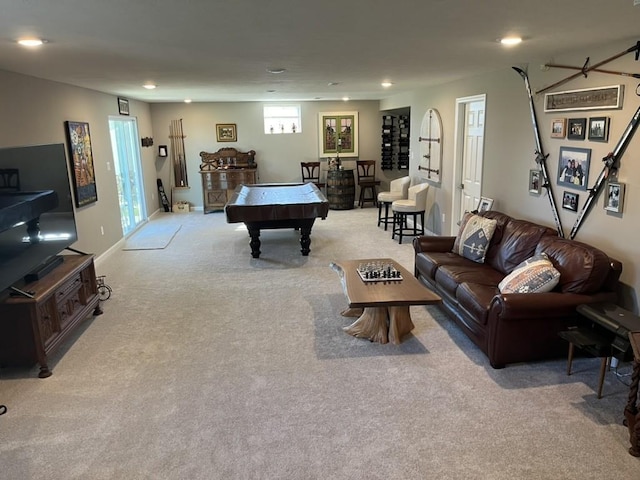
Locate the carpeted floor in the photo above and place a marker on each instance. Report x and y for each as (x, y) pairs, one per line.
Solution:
(209, 364)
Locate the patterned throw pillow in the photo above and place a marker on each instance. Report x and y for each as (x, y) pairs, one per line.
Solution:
(534, 275)
(474, 237)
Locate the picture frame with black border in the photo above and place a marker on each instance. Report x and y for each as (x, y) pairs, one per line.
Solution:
(599, 129)
(484, 204)
(81, 159)
(123, 106)
(576, 128)
(614, 198)
(558, 127)
(573, 167)
(570, 201)
(535, 183)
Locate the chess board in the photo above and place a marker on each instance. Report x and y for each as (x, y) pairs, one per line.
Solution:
(378, 272)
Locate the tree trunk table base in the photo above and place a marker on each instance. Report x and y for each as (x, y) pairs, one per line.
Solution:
(382, 306)
(380, 324)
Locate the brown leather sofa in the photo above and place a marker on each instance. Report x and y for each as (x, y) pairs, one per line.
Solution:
(515, 327)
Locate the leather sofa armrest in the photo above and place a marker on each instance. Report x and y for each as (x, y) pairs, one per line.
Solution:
(514, 306)
(429, 243)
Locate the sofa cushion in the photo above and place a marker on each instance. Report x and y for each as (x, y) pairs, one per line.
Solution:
(475, 299)
(449, 277)
(534, 275)
(474, 237)
(583, 268)
(427, 263)
(517, 242)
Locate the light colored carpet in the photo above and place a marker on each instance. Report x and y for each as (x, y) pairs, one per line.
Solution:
(155, 235)
(209, 364)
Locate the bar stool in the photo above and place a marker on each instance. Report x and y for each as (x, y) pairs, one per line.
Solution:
(366, 171)
(398, 190)
(414, 206)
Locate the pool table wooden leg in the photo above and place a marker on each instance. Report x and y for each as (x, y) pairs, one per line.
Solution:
(305, 240)
(254, 233)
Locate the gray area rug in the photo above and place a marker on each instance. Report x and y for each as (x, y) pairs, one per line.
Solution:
(155, 235)
(209, 364)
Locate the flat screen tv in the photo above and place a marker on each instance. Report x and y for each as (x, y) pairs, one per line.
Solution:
(37, 219)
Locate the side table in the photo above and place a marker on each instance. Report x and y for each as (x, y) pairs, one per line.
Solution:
(632, 419)
(594, 343)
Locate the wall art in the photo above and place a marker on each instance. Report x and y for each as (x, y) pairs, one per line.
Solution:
(570, 201)
(558, 127)
(614, 197)
(599, 129)
(81, 158)
(600, 98)
(573, 167)
(338, 134)
(226, 132)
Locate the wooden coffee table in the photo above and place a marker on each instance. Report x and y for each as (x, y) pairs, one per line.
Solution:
(382, 307)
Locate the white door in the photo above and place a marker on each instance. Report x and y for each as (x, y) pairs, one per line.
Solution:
(470, 124)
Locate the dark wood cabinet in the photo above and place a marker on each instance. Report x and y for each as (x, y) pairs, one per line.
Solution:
(219, 185)
(222, 172)
(32, 328)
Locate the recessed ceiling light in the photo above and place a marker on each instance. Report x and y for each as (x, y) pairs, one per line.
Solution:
(276, 70)
(270, 91)
(149, 86)
(31, 42)
(386, 84)
(333, 84)
(345, 99)
(187, 100)
(510, 41)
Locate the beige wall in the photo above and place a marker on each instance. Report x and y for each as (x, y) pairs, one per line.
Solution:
(278, 156)
(35, 111)
(510, 146)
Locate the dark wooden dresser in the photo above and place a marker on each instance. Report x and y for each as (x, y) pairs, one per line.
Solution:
(32, 328)
(222, 172)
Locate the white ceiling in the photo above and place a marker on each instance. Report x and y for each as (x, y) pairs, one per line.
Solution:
(211, 50)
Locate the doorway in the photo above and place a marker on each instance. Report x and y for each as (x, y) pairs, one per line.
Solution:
(469, 156)
(128, 169)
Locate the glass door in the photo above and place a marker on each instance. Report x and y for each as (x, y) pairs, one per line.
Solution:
(128, 168)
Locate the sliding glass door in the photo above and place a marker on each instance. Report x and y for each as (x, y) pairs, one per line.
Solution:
(128, 168)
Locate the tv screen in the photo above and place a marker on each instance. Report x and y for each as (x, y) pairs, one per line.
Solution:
(37, 218)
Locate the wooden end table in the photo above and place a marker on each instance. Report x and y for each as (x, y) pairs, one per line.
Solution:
(631, 412)
(382, 307)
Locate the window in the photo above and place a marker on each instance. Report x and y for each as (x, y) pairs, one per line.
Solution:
(282, 119)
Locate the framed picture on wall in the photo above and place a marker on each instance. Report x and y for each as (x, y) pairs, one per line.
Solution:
(599, 129)
(226, 132)
(576, 128)
(535, 181)
(614, 197)
(338, 134)
(123, 106)
(573, 167)
(570, 201)
(81, 158)
(558, 127)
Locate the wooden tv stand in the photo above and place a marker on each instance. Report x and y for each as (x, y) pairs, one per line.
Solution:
(32, 328)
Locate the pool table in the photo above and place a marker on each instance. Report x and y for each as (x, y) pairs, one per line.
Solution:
(277, 205)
